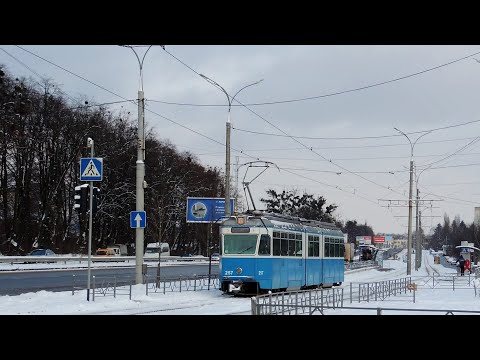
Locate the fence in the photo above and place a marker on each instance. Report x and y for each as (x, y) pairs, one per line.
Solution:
(117, 285)
(311, 301)
(84, 258)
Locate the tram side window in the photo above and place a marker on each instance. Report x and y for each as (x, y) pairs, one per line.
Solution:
(284, 244)
(310, 246)
(291, 244)
(339, 248)
(276, 244)
(264, 248)
(327, 247)
(313, 246)
(298, 246)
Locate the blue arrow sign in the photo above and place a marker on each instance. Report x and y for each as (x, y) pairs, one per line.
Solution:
(138, 219)
(91, 169)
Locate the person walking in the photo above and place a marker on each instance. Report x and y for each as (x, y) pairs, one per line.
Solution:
(461, 265)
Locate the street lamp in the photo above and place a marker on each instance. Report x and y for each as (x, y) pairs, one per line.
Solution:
(409, 242)
(227, 142)
(140, 171)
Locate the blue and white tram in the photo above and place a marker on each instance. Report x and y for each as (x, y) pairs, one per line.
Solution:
(275, 252)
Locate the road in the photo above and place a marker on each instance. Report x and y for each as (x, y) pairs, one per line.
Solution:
(19, 282)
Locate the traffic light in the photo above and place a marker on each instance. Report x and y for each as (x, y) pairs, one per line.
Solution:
(81, 198)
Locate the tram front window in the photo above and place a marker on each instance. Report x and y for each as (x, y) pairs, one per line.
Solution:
(239, 244)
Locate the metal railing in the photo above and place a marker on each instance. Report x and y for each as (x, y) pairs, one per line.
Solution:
(84, 258)
(382, 310)
(310, 301)
(360, 264)
(297, 302)
(193, 283)
(448, 282)
(118, 285)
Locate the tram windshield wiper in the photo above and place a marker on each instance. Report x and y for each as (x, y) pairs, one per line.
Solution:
(241, 252)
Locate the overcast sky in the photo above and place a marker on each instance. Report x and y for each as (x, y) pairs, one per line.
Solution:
(443, 97)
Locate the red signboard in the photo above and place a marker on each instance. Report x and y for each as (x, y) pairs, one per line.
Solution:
(379, 239)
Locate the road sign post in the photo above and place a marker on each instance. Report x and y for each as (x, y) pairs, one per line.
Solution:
(91, 169)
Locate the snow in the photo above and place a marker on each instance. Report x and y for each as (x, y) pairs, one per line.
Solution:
(212, 302)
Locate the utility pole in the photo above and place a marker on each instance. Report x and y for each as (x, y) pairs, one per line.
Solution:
(236, 184)
(139, 201)
(140, 171)
(227, 142)
(420, 238)
(90, 145)
(409, 241)
(416, 232)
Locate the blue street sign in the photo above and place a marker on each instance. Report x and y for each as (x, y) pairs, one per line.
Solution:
(91, 169)
(205, 210)
(138, 219)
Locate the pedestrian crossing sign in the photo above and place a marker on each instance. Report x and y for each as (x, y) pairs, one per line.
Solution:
(91, 169)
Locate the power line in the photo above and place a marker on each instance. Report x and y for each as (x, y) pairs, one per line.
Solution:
(293, 138)
(354, 137)
(61, 91)
(76, 75)
(319, 96)
(218, 153)
(348, 147)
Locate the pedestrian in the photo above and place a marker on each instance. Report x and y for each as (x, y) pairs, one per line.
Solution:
(461, 265)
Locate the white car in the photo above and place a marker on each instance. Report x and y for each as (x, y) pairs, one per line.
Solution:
(215, 257)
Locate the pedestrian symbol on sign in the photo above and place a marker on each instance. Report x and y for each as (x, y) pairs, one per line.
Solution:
(91, 170)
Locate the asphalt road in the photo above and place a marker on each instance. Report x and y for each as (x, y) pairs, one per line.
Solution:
(19, 282)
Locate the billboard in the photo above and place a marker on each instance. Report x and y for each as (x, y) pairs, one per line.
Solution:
(205, 210)
(363, 240)
(379, 238)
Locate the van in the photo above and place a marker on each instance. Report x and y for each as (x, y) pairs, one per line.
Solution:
(120, 249)
(153, 249)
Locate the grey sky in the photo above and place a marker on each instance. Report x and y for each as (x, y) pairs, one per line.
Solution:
(439, 98)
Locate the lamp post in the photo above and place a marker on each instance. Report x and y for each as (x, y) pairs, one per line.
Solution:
(227, 142)
(140, 171)
(409, 241)
(418, 247)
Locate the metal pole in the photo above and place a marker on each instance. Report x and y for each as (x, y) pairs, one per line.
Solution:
(409, 243)
(227, 167)
(140, 175)
(90, 143)
(236, 185)
(417, 238)
(209, 255)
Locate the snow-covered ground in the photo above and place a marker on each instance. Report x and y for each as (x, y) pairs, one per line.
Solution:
(212, 302)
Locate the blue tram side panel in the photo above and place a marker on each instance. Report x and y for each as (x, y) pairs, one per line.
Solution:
(271, 252)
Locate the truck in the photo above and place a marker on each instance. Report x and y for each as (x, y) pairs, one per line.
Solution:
(119, 249)
(153, 249)
(349, 252)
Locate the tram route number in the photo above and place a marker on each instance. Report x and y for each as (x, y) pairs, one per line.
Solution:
(230, 272)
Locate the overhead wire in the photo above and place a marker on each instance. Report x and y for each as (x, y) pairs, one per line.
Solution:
(324, 95)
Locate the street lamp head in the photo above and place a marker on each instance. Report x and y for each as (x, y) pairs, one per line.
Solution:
(89, 142)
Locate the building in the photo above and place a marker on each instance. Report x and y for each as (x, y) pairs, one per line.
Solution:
(476, 217)
(399, 243)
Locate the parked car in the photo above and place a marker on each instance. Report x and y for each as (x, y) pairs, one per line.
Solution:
(42, 252)
(215, 257)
